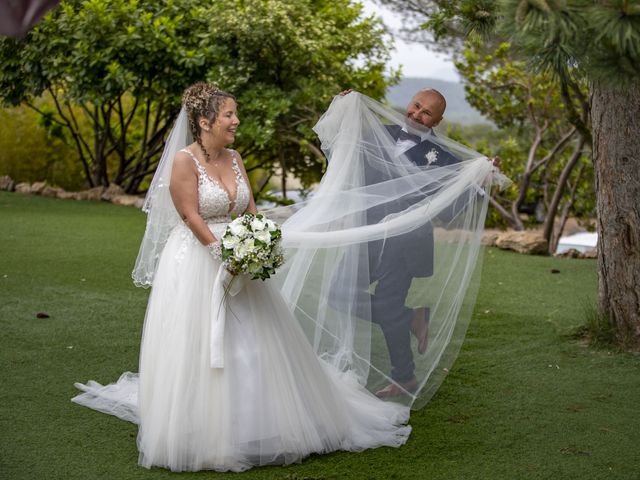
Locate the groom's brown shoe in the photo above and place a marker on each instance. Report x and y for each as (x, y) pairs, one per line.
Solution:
(420, 327)
(396, 389)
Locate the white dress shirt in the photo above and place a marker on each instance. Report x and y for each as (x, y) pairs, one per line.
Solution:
(405, 144)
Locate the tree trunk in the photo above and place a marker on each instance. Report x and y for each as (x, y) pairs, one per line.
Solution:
(616, 153)
(552, 211)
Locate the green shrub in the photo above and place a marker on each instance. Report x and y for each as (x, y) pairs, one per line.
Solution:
(29, 152)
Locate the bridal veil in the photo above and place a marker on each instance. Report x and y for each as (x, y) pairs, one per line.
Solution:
(375, 210)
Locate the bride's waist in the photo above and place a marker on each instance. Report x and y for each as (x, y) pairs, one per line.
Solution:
(219, 219)
(217, 225)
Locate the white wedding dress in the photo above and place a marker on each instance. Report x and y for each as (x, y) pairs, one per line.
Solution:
(274, 400)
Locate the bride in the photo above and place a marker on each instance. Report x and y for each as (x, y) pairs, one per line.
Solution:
(227, 380)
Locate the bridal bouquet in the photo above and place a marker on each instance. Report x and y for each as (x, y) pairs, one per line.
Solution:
(251, 244)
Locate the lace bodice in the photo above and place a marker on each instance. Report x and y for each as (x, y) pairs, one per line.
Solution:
(214, 203)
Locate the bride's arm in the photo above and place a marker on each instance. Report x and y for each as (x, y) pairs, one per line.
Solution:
(252, 203)
(184, 193)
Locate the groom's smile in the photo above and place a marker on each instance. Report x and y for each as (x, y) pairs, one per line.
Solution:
(426, 108)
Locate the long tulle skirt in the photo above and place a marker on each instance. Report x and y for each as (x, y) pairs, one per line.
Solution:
(274, 402)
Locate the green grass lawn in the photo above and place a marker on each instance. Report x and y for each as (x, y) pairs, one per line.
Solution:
(524, 400)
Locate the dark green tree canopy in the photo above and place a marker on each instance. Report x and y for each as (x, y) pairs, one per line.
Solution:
(115, 72)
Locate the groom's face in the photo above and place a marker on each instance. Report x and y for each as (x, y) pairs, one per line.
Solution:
(426, 108)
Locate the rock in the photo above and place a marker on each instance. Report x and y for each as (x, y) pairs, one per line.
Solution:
(23, 187)
(570, 253)
(571, 226)
(7, 184)
(529, 242)
(94, 194)
(489, 238)
(67, 195)
(574, 253)
(128, 200)
(51, 191)
(38, 187)
(112, 190)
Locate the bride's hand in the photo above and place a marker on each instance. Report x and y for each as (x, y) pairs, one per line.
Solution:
(215, 249)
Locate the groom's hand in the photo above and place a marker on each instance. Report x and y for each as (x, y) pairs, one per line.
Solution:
(496, 161)
(345, 92)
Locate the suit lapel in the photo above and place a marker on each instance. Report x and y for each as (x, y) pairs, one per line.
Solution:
(394, 131)
(417, 154)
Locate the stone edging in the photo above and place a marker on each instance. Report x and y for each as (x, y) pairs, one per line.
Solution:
(113, 193)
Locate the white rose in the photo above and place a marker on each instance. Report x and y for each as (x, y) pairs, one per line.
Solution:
(271, 225)
(263, 236)
(249, 245)
(257, 224)
(238, 229)
(241, 251)
(230, 242)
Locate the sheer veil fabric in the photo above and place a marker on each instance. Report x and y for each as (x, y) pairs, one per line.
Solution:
(381, 217)
(162, 216)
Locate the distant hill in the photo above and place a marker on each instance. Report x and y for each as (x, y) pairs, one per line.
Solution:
(458, 110)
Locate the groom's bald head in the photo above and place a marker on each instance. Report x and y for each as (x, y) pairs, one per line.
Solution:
(427, 107)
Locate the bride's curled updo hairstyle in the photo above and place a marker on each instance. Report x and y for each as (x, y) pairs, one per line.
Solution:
(203, 100)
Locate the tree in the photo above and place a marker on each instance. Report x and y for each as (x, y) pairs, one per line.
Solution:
(551, 162)
(600, 40)
(115, 72)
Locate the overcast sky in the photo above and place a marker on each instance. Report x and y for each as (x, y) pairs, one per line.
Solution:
(415, 59)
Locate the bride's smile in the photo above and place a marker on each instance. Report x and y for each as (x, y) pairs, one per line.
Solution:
(227, 122)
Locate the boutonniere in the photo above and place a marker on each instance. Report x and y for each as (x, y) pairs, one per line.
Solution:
(431, 156)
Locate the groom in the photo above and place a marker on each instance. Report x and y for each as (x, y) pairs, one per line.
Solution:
(394, 264)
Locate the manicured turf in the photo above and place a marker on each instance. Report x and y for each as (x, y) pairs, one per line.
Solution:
(524, 400)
